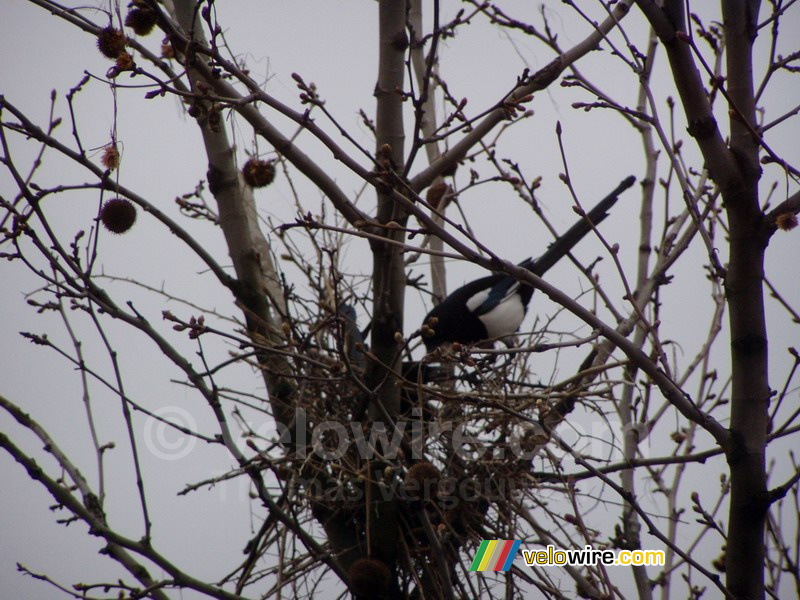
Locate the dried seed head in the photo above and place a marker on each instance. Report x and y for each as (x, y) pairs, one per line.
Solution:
(111, 42)
(110, 157)
(118, 215)
(786, 221)
(436, 192)
(423, 471)
(140, 18)
(125, 61)
(258, 173)
(421, 480)
(369, 577)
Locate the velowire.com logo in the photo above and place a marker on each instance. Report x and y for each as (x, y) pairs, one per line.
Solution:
(495, 555)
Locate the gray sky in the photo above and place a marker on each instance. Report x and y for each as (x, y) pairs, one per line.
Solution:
(332, 44)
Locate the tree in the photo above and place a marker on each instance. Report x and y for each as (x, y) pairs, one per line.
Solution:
(370, 466)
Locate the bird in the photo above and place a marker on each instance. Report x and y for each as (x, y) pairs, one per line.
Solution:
(353, 342)
(494, 306)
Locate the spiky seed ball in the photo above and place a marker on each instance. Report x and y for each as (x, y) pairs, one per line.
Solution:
(421, 478)
(110, 157)
(111, 42)
(369, 577)
(141, 19)
(118, 215)
(258, 173)
(423, 471)
(786, 221)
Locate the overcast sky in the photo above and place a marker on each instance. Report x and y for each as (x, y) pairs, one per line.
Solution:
(334, 45)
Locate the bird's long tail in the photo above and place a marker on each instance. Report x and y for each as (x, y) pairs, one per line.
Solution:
(559, 248)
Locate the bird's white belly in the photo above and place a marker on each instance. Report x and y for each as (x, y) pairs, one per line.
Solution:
(505, 318)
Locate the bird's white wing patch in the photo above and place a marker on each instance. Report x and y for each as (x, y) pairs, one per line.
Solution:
(505, 318)
(475, 301)
(478, 299)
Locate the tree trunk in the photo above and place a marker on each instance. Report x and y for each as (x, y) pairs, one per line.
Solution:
(744, 292)
(388, 273)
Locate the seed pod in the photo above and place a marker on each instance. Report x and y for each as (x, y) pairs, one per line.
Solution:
(110, 157)
(786, 221)
(118, 215)
(141, 19)
(258, 173)
(369, 578)
(111, 42)
(421, 481)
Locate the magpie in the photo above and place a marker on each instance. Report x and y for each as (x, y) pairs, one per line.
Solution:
(353, 341)
(494, 306)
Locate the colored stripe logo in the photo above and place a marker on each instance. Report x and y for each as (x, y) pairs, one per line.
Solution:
(495, 555)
